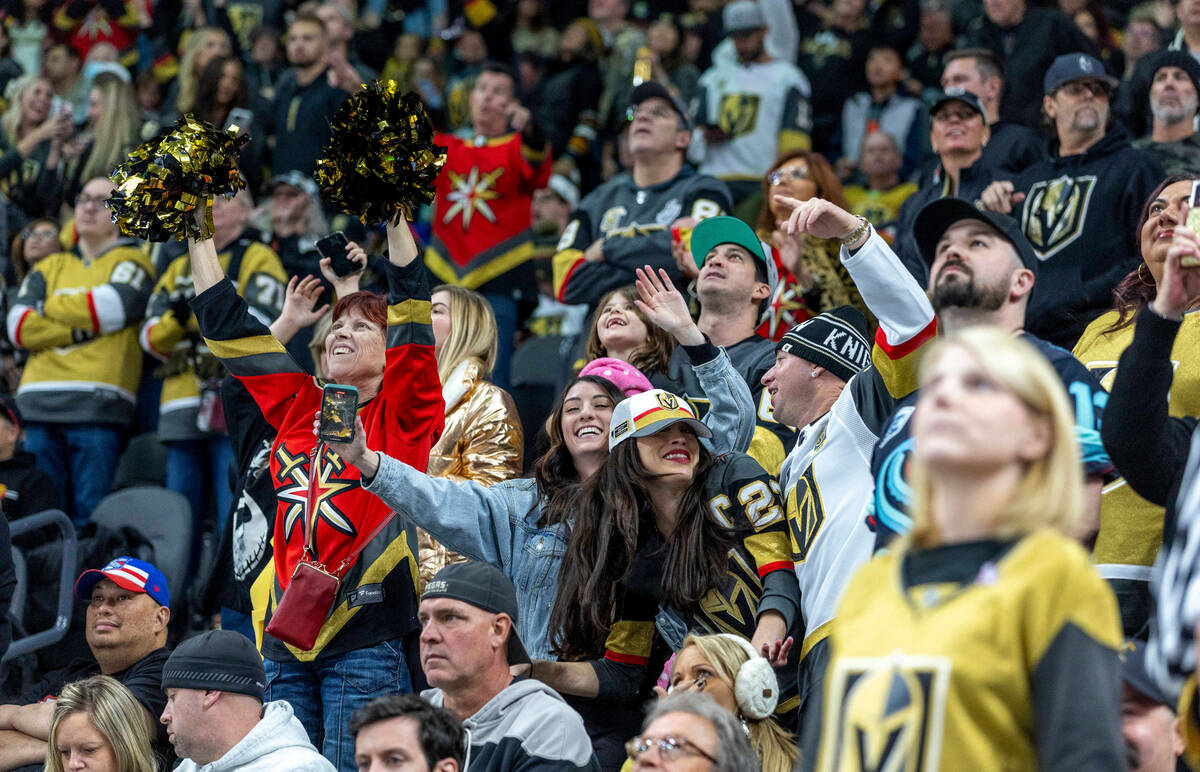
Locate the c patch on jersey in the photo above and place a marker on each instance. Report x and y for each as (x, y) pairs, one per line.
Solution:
(886, 714)
(738, 114)
(1055, 211)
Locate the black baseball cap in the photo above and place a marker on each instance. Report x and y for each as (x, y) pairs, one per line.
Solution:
(1134, 673)
(957, 95)
(483, 586)
(937, 217)
(652, 89)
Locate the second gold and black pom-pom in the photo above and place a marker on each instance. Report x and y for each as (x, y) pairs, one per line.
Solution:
(380, 162)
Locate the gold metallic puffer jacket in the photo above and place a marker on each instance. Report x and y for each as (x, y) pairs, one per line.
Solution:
(482, 441)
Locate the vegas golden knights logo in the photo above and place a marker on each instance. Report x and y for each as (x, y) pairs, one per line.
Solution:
(806, 515)
(1055, 211)
(738, 114)
(886, 714)
(730, 607)
(668, 401)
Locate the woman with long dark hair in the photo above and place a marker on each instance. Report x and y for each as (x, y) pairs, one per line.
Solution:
(1132, 516)
(666, 538)
(222, 88)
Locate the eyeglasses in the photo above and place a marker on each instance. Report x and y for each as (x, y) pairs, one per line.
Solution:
(669, 748)
(1077, 87)
(788, 174)
(40, 233)
(83, 200)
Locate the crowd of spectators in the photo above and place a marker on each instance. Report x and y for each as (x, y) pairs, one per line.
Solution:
(768, 385)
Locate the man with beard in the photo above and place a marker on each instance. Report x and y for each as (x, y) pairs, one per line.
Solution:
(982, 271)
(1174, 84)
(305, 98)
(831, 381)
(1079, 207)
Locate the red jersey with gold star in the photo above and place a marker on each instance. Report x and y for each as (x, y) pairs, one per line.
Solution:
(404, 420)
(481, 223)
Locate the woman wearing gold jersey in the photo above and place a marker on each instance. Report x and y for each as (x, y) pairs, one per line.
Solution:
(1147, 363)
(986, 640)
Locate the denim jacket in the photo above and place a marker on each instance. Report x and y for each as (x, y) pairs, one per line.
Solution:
(498, 524)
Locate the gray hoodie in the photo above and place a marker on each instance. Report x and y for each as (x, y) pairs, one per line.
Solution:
(527, 726)
(276, 742)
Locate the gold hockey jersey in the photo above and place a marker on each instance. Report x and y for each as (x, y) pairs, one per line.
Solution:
(1013, 667)
(79, 320)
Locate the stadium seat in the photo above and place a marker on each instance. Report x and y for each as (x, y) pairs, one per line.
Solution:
(144, 462)
(164, 518)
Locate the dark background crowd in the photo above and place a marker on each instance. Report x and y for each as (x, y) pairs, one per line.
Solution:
(587, 144)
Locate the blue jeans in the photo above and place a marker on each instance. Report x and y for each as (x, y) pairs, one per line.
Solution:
(324, 694)
(505, 309)
(199, 471)
(80, 460)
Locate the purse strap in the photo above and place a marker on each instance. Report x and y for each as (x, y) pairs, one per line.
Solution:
(309, 525)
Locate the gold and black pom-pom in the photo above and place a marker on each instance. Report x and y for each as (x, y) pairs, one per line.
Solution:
(380, 162)
(165, 180)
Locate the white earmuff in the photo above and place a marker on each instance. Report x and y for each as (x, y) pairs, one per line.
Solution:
(755, 688)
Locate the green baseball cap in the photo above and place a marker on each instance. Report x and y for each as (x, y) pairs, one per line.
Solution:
(714, 231)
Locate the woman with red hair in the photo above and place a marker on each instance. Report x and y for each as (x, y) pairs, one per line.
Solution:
(324, 518)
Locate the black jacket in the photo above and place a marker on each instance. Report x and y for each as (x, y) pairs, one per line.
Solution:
(1026, 52)
(1013, 148)
(1145, 442)
(27, 489)
(1080, 215)
(971, 182)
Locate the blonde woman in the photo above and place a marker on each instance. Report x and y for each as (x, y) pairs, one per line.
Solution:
(114, 124)
(482, 439)
(99, 726)
(31, 140)
(987, 634)
(728, 669)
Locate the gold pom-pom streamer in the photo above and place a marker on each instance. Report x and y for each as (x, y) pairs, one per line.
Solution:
(380, 162)
(166, 180)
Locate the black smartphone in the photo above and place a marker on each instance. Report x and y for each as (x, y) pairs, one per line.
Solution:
(339, 406)
(333, 246)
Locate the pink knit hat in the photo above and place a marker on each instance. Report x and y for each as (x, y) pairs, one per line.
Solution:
(623, 375)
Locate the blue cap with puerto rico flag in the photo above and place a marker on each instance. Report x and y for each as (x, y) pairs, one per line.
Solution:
(128, 573)
(649, 413)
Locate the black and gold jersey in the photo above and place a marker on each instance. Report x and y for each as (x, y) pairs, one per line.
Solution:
(993, 655)
(758, 575)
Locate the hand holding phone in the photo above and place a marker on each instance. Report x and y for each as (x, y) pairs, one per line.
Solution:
(339, 408)
(1193, 223)
(333, 247)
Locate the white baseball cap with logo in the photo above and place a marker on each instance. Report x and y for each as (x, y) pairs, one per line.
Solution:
(649, 413)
